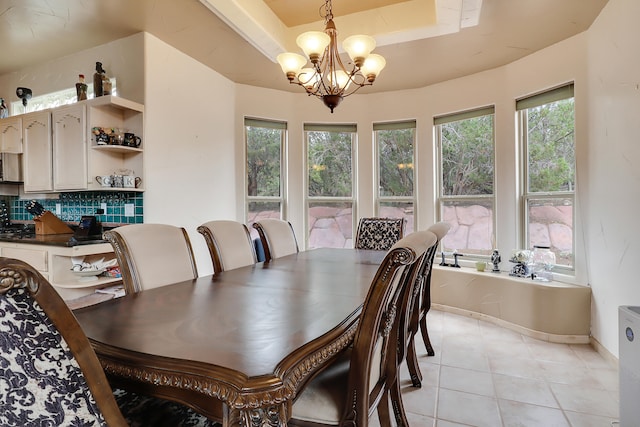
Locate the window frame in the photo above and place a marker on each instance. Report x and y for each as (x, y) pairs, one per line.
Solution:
(281, 199)
(559, 93)
(395, 125)
(337, 128)
(441, 198)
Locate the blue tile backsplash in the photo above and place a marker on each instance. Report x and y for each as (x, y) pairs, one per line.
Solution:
(74, 205)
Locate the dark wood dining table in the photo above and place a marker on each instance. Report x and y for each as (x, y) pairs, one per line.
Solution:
(240, 345)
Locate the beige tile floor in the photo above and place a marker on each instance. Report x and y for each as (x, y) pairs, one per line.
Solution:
(487, 376)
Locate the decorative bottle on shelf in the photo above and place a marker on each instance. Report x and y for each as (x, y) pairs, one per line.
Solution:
(106, 84)
(97, 80)
(81, 88)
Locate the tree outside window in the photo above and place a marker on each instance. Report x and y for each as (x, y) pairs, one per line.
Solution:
(466, 180)
(395, 151)
(264, 148)
(330, 184)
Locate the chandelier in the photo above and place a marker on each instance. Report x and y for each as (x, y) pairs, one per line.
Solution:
(328, 78)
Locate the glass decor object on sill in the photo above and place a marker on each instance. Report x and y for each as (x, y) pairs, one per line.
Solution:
(542, 262)
(521, 260)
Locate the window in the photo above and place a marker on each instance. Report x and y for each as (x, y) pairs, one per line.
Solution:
(547, 135)
(395, 147)
(265, 147)
(55, 99)
(466, 176)
(330, 185)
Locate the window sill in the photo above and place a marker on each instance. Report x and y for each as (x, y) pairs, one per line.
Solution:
(551, 311)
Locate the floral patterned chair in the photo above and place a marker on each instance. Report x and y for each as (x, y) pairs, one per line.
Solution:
(379, 234)
(49, 373)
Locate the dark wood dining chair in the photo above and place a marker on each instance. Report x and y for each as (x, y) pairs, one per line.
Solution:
(422, 305)
(51, 375)
(379, 233)
(229, 243)
(152, 255)
(277, 237)
(360, 380)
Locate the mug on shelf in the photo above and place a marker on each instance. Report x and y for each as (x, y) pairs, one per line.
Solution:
(116, 139)
(118, 181)
(102, 139)
(131, 140)
(131, 181)
(105, 180)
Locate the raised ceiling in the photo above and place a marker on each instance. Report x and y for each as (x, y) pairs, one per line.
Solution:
(424, 41)
(294, 13)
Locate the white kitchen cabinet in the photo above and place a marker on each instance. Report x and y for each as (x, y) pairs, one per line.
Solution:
(60, 153)
(70, 134)
(37, 158)
(11, 135)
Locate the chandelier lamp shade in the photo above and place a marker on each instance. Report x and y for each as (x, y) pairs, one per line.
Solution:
(328, 78)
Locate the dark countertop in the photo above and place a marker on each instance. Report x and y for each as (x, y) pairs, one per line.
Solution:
(66, 240)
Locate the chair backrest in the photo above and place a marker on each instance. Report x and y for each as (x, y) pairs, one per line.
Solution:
(277, 237)
(51, 375)
(422, 302)
(373, 366)
(152, 255)
(440, 229)
(379, 233)
(416, 276)
(229, 243)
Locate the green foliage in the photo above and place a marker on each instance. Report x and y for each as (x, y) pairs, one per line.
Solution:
(263, 161)
(395, 153)
(330, 164)
(467, 156)
(551, 147)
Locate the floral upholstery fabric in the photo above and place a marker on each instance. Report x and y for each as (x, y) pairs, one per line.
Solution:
(41, 383)
(379, 234)
(143, 411)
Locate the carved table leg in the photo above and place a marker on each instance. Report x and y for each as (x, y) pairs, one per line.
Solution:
(269, 416)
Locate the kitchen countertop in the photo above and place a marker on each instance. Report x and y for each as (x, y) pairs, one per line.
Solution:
(65, 240)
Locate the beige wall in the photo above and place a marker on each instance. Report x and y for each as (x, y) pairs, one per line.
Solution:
(189, 151)
(612, 166)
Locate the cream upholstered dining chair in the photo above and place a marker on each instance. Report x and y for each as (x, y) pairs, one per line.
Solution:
(50, 373)
(152, 255)
(422, 305)
(229, 243)
(277, 237)
(379, 233)
(364, 378)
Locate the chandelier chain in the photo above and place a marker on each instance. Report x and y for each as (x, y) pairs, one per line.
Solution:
(328, 11)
